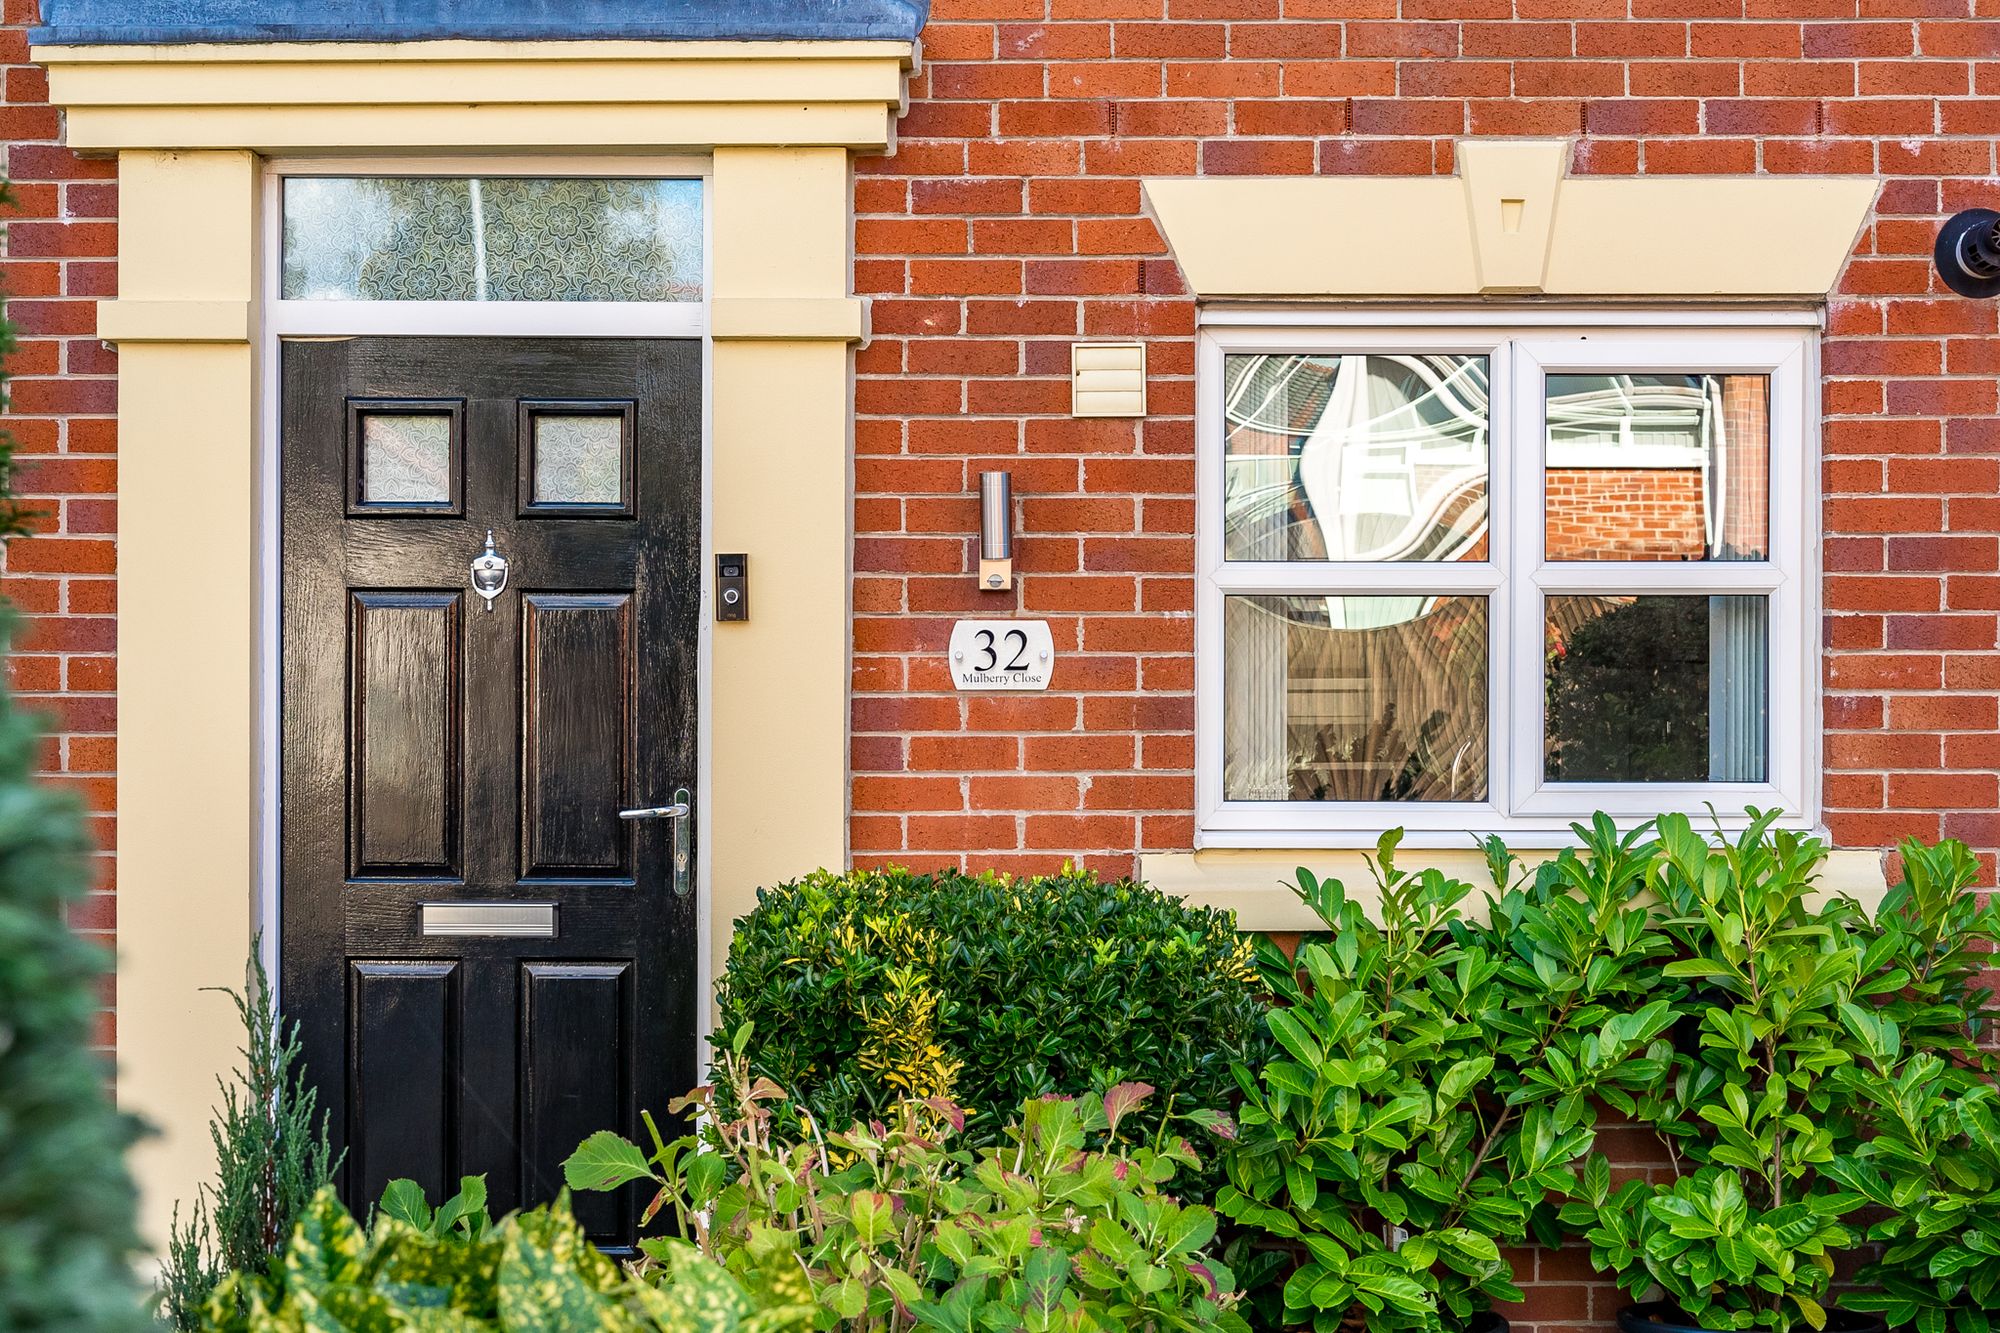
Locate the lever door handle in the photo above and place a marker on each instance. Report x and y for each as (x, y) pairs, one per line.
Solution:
(674, 811)
(682, 807)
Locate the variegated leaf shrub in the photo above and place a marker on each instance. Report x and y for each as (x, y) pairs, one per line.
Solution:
(1067, 1224)
(455, 1271)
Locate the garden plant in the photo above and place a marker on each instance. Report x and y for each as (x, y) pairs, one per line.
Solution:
(871, 987)
(1067, 1223)
(1437, 1076)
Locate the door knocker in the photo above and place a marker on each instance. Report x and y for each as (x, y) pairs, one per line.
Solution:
(489, 572)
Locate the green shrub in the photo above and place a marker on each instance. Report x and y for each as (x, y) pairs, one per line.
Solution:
(1439, 1077)
(868, 987)
(1066, 1225)
(66, 1203)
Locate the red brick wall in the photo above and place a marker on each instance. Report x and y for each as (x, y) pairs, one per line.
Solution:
(1008, 224)
(1639, 513)
(60, 235)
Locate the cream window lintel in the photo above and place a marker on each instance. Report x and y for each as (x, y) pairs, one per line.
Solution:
(1513, 221)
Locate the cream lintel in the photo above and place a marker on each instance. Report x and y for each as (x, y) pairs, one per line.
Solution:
(1511, 222)
(428, 96)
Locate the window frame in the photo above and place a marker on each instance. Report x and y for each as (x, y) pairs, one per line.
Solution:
(1521, 347)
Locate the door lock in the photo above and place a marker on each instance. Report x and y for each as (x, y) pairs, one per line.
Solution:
(680, 812)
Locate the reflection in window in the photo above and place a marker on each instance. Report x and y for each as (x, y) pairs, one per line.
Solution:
(1355, 698)
(1658, 467)
(1355, 457)
(412, 238)
(1656, 689)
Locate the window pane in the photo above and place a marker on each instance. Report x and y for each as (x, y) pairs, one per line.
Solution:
(406, 458)
(1657, 689)
(1355, 457)
(404, 238)
(579, 459)
(1354, 698)
(1658, 467)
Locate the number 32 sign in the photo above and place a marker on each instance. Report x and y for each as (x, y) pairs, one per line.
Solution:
(1001, 655)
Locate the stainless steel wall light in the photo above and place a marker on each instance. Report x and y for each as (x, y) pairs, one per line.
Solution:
(996, 531)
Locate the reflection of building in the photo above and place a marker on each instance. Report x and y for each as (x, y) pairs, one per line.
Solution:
(1655, 467)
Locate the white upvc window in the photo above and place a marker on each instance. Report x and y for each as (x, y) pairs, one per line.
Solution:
(1465, 575)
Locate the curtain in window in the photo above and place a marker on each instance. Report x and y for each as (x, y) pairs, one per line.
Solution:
(1739, 627)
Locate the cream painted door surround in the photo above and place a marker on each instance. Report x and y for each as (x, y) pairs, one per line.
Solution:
(191, 126)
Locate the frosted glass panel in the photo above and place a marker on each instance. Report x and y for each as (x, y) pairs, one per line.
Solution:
(1373, 458)
(405, 458)
(579, 460)
(413, 238)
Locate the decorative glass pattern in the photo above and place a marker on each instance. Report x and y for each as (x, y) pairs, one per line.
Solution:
(1366, 457)
(1354, 698)
(579, 460)
(405, 458)
(430, 238)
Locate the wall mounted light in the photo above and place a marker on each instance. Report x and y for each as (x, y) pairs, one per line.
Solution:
(1968, 253)
(996, 531)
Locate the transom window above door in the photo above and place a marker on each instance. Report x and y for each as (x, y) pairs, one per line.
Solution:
(491, 238)
(1487, 579)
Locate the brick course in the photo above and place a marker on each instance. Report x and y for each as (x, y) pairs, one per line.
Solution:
(61, 233)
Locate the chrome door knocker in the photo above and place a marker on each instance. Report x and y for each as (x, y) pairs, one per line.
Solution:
(489, 572)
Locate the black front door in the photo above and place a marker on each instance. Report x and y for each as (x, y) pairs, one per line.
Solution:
(487, 962)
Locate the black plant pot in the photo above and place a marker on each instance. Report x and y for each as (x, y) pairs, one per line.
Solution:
(1488, 1321)
(1662, 1317)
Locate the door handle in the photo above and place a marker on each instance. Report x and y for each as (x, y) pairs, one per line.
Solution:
(680, 812)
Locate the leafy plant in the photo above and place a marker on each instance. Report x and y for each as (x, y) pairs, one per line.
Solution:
(272, 1158)
(875, 986)
(1745, 1235)
(1923, 1142)
(1928, 949)
(67, 1242)
(464, 1213)
(532, 1270)
(1064, 1225)
(1437, 1078)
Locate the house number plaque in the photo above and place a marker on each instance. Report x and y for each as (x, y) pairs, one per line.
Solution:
(1001, 654)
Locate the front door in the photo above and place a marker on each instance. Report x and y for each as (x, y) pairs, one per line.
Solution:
(490, 563)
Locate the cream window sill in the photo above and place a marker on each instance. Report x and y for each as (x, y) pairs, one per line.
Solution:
(1256, 885)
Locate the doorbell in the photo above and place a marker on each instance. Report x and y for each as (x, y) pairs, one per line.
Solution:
(732, 587)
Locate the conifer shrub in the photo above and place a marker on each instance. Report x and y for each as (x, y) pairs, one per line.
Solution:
(867, 987)
(272, 1158)
(67, 1240)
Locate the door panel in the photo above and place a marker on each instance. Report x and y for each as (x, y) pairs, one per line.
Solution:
(403, 775)
(576, 687)
(402, 1042)
(438, 751)
(575, 1045)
